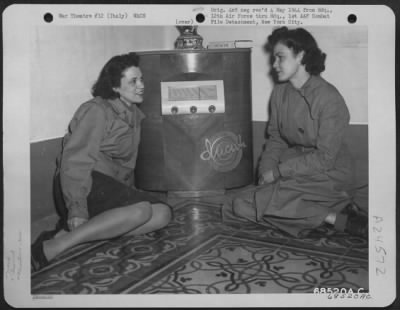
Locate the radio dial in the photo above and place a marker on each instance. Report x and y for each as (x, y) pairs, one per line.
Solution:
(211, 108)
(174, 110)
(193, 109)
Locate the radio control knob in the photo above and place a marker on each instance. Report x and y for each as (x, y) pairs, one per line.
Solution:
(174, 110)
(211, 108)
(193, 109)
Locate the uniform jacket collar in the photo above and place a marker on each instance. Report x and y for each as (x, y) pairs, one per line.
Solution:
(313, 82)
(307, 92)
(123, 111)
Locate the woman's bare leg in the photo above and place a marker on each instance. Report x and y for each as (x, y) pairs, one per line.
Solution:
(161, 216)
(107, 225)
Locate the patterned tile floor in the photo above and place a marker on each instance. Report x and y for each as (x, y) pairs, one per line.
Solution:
(197, 253)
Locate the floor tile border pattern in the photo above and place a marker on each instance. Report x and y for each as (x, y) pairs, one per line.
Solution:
(166, 269)
(138, 287)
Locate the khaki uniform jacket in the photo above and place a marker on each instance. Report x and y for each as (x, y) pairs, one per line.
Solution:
(104, 136)
(306, 131)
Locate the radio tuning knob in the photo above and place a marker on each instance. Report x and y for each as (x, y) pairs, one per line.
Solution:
(193, 109)
(211, 108)
(174, 110)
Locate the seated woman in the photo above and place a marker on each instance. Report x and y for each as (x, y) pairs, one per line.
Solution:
(305, 170)
(94, 181)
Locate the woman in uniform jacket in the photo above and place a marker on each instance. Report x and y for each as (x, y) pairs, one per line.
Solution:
(94, 182)
(305, 171)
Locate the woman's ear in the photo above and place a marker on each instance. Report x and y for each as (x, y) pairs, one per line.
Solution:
(116, 90)
(300, 56)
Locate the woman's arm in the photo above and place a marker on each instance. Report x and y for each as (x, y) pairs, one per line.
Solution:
(275, 145)
(80, 154)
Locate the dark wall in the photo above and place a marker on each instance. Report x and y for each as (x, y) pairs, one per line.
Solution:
(43, 165)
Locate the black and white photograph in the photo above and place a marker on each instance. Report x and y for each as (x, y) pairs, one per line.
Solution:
(225, 150)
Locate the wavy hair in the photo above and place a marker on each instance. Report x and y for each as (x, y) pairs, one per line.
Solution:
(299, 40)
(111, 74)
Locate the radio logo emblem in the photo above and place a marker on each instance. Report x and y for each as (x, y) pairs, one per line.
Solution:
(223, 151)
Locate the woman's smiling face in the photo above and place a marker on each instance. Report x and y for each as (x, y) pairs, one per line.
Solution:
(131, 89)
(286, 62)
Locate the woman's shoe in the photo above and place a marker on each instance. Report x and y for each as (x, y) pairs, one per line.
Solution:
(357, 223)
(38, 258)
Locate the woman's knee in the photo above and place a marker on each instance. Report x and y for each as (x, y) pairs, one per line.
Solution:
(141, 211)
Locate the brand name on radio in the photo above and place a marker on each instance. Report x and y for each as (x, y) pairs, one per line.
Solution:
(215, 150)
(224, 151)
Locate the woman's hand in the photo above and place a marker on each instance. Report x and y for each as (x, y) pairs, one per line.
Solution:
(266, 178)
(74, 222)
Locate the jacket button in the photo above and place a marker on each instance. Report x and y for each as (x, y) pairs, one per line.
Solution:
(301, 130)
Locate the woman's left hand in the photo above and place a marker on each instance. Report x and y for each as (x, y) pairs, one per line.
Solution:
(266, 178)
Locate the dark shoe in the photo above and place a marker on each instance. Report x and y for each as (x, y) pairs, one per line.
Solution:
(352, 209)
(357, 223)
(38, 258)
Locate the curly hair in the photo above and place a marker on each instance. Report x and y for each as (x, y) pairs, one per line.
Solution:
(299, 40)
(111, 74)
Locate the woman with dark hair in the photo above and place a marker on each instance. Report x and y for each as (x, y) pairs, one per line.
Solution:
(305, 171)
(94, 181)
